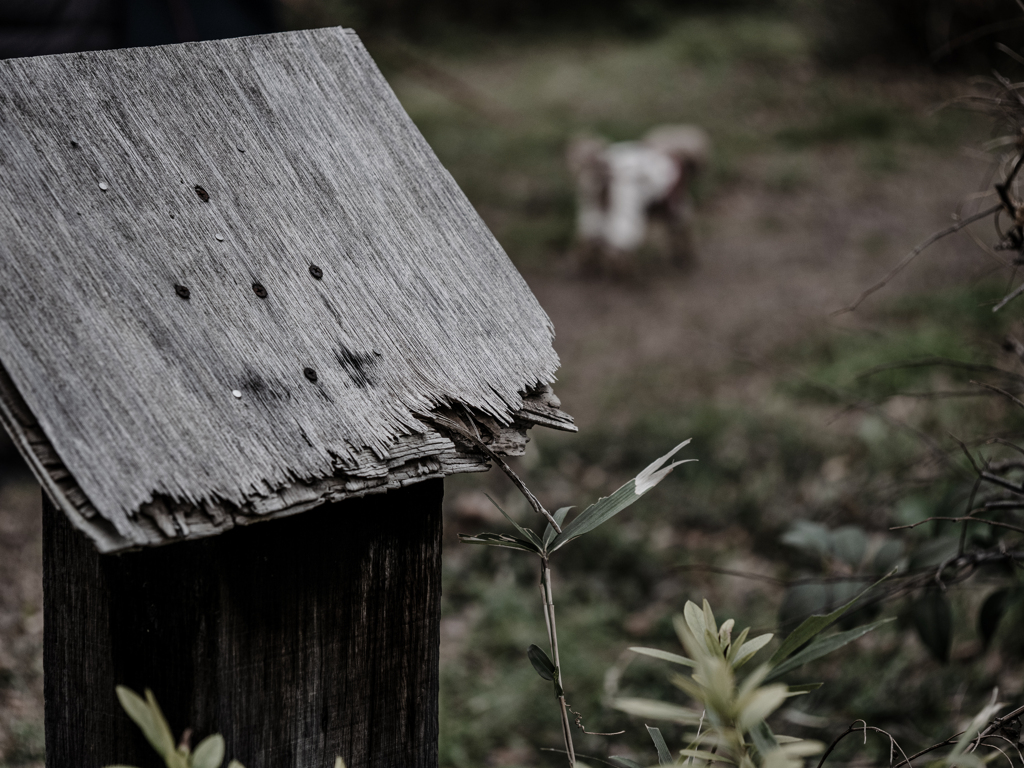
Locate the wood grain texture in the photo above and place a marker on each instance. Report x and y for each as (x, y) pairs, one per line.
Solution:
(305, 159)
(312, 637)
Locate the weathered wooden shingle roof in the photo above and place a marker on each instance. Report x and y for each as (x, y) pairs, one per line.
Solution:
(232, 276)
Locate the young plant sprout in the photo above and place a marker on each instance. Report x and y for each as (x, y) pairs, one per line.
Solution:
(554, 538)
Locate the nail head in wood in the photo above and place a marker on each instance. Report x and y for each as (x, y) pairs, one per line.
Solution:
(182, 291)
(315, 271)
(259, 290)
(203, 194)
(309, 373)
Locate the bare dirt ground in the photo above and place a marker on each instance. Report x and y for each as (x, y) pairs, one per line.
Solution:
(773, 267)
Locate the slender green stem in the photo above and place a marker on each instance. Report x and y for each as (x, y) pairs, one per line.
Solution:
(549, 621)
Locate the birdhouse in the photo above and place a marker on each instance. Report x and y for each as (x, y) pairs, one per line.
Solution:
(238, 296)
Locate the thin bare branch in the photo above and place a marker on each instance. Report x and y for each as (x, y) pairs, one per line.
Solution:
(946, 362)
(1007, 443)
(914, 254)
(976, 34)
(864, 727)
(995, 523)
(1009, 297)
(1010, 52)
(460, 429)
(967, 453)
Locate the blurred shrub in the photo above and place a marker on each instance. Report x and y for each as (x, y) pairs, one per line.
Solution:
(958, 34)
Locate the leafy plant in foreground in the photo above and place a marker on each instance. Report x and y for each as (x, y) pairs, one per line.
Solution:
(730, 714)
(146, 714)
(554, 538)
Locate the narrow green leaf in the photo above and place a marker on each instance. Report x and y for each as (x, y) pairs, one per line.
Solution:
(710, 625)
(664, 756)
(657, 710)
(815, 625)
(703, 754)
(526, 533)
(763, 738)
(748, 649)
(973, 728)
(656, 471)
(498, 540)
(599, 512)
(760, 704)
(735, 644)
(209, 753)
(606, 508)
(822, 647)
(654, 653)
(160, 722)
(694, 619)
(544, 666)
(144, 716)
(549, 532)
(966, 760)
(796, 690)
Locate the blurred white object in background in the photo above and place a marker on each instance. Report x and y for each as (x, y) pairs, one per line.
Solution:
(621, 187)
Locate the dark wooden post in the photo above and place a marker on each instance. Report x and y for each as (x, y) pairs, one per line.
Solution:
(298, 639)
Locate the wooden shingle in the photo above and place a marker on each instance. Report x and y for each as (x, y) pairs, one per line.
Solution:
(235, 282)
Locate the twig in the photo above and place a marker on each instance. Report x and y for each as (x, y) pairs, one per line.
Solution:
(967, 453)
(588, 757)
(998, 721)
(461, 430)
(549, 621)
(1002, 392)
(907, 760)
(996, 523)
(780, 582)
(976, 34)
(1009, 297)
(946, 362)
(997, 480)
(854, 727)
(578, 719)
(1010, 52)
(914, 253)
(1007, 443)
